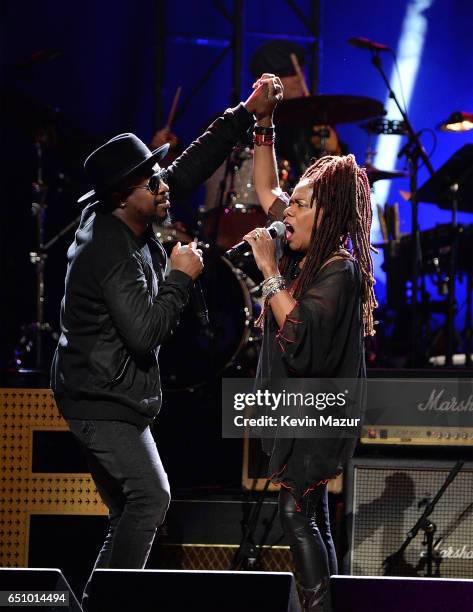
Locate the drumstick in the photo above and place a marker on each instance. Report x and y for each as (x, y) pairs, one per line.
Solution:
(172, 112)
(300, 74)
(382, 223)
(397, 228)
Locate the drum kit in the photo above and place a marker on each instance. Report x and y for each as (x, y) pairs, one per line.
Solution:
(232, 290)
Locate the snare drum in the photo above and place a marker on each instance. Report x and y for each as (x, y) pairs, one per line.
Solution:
(195, 356)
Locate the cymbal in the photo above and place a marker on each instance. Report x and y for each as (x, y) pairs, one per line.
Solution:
(458, 169)
(327, 109)
(375, 174)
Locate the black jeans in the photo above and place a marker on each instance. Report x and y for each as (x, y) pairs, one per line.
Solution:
(130, 478)
(310, 538)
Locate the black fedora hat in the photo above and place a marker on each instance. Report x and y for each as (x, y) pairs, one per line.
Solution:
(108, 165)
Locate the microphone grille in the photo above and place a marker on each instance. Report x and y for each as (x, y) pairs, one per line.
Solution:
(279, 228)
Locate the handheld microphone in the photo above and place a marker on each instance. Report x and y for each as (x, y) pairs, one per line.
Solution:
(199, 304)
(198, 300)
(365, 43)
(277, 229)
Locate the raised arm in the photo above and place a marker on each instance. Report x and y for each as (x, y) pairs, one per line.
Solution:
(208, 152)
(264, 161)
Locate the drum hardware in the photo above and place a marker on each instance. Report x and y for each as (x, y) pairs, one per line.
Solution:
(451, 187)
(48, 129)
(436, 246)
(39, 338)
(458, 170)
(325, 141)
(376, 174)
(414, 153)
(320, 136)
(240, 190)
(385, 126)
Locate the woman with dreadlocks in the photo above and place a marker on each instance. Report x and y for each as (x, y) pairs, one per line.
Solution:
(319, 303)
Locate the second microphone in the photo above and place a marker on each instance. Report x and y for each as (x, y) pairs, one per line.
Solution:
(277, 229)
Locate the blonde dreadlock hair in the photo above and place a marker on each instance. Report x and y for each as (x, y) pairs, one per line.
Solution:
(341, 189)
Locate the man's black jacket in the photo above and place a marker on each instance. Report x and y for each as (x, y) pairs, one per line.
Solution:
(117, 308)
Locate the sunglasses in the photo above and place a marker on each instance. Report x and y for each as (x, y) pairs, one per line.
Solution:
(152, 185)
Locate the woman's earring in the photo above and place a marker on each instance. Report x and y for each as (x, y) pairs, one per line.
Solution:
(122, 204)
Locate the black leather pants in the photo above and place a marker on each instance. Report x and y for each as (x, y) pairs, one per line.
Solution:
(310, 538)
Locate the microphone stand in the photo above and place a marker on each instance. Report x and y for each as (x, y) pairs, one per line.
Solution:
(429, 529)
(414, 152)
(451, 302)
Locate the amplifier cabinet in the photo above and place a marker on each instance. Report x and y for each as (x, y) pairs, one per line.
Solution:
(384, 500)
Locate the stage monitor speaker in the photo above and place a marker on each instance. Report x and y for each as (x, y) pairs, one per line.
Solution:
(362, 594)
(38, 580)
(385, 499)
(172, 591)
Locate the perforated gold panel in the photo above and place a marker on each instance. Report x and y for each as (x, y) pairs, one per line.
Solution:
(220, 557)
(22, 492)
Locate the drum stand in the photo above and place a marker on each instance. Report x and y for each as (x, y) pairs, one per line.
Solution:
(39, 332)
(414, 151)
(249, 553)
(468, 333)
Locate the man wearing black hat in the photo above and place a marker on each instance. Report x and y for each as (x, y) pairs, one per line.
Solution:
(118, 308)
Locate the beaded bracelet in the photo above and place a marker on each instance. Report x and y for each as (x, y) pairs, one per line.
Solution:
(263, 139)
(264, 131)
(263, 135)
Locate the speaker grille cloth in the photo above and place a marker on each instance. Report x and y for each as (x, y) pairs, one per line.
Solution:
(388, 502)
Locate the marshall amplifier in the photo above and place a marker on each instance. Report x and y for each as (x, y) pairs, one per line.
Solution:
(384, 500)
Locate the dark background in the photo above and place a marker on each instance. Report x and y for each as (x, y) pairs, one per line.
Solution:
(105, 68)
(104, 80)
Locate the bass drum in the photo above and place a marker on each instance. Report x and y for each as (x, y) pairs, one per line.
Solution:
(195, 356)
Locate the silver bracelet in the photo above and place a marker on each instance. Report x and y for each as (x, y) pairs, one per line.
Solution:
(271, 279)
(273, 285)
(273, 292)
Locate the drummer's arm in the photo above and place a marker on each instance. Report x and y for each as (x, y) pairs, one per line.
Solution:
(265, 170)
